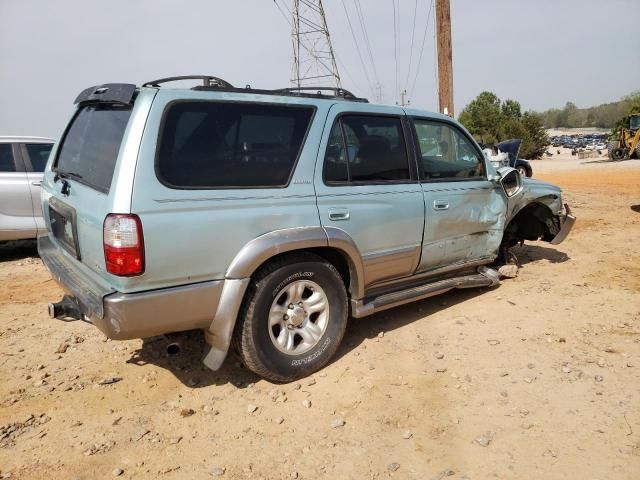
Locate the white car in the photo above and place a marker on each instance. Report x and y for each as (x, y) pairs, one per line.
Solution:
(22, 161)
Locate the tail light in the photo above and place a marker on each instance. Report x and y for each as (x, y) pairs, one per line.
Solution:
(123, 245)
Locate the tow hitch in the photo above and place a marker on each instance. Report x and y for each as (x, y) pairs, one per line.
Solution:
(66, 309)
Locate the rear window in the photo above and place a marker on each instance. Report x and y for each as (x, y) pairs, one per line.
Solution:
(89, 150)
(230, 145)
(38, 154)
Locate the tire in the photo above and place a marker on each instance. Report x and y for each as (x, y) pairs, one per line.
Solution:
(638, 151)
(618, 154)
(611, 146)
(269, 349)
(523, 171)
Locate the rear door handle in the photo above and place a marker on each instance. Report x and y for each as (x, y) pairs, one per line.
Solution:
(36, 184)
(338, 213)
(440, 205)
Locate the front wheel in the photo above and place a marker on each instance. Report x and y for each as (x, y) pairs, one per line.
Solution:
(293, 318)
(523, 171)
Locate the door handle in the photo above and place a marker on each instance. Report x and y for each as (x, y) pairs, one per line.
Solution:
(36, 184)
(440, 205)
(338, 214)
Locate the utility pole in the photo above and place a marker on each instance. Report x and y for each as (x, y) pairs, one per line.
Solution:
(314, 63)
(403, 95)
(445, 67)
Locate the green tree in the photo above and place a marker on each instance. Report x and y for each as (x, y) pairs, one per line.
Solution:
(491, 121)
(511, 109)
(482, 117)
(535, 140)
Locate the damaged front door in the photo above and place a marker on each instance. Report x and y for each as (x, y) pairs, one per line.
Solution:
(464, 211)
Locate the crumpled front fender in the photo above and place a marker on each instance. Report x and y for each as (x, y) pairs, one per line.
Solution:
(535, 191)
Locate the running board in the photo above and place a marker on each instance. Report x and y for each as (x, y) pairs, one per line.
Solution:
(486, 277)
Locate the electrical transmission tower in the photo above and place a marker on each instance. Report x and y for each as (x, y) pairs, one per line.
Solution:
(314, 63)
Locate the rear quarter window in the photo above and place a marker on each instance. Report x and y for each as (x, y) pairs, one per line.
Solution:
(6, 158)
(89, 149)
(38, 155)
(208, 145)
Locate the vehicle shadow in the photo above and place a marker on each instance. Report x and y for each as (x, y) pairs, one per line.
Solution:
(367, 328)
(533, 253)
(186, 365)
(635, 208)
(17, 250)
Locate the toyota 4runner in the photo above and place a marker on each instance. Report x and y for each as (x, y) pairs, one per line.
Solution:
(267, 217)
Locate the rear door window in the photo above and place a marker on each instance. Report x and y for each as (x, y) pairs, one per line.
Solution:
(230, 145)
(366, 149)
(6, 158)
(89, 150)
(38, 155)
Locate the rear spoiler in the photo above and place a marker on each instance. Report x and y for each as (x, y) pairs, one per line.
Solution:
(121, 93)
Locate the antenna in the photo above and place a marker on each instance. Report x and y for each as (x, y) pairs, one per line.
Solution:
(313, 60)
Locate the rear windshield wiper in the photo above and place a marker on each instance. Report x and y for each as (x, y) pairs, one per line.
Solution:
(62, 174)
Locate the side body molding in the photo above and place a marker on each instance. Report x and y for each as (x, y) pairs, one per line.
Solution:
(254, 254)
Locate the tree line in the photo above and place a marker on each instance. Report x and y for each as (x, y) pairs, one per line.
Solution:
(606, 116)
(491, 120)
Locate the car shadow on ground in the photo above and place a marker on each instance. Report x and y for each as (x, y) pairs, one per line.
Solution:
(635, 208)
(18, 250)
(533, 253)
(187, 364)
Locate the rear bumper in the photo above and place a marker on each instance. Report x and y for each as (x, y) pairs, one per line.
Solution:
(566, 223)
(123, 316)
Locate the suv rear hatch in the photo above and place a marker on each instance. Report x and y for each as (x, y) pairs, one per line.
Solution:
(91, 175)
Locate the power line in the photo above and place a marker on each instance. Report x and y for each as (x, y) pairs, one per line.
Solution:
(413, 34)
(424, 39)
(355, 41)
(365, 33)
(286, 18)
(395, 47)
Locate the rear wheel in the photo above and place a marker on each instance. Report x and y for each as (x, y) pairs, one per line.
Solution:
(293, 318)
(638, 151)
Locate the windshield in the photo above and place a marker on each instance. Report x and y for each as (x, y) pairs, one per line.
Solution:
(634, 122)
(90, 148)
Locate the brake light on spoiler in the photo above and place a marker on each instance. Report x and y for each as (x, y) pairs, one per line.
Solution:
(123, 245)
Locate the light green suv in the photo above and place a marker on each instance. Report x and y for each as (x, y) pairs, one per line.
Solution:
(267, 218)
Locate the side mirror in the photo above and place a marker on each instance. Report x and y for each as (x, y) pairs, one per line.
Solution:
(511, 181)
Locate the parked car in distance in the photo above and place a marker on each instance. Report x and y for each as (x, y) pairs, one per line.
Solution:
(268, 217)
(22, 161)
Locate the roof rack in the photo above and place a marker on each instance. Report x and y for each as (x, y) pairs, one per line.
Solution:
(317, 91)
(207, 81)
(215, 83)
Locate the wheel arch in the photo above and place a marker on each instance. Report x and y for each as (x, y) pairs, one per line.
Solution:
(333, 244)
(533, 221)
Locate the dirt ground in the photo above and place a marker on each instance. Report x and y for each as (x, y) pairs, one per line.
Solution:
(537, 378)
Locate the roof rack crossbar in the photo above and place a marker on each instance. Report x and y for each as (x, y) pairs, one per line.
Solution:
(207, 81)
(337, 91)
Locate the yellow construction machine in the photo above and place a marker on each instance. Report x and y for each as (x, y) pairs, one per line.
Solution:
(627, 144)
